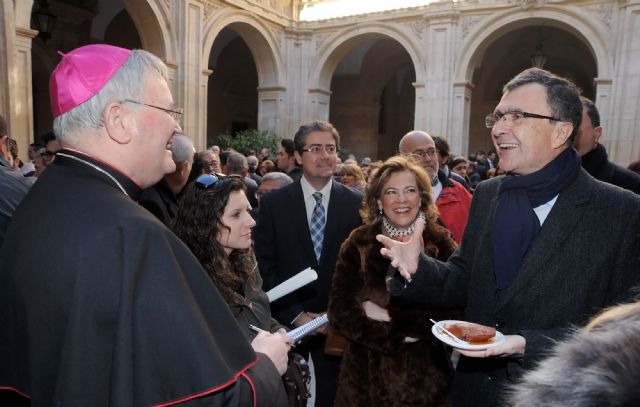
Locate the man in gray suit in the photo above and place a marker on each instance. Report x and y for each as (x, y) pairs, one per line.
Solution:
(546, 247)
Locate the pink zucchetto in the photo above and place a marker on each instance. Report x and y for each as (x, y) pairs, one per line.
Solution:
(82, 73)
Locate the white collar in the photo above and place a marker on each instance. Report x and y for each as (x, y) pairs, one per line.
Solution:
(308, 190)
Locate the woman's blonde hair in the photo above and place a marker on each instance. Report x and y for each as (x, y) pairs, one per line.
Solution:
(613, 313)
(352, 169)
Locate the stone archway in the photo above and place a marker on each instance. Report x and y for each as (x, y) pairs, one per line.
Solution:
(153, 23)
(520, 33)
(72, 24)
(372, 73)
(340, 43)
(372, 98)
(516, 47)
(232, 89)
(248, 39)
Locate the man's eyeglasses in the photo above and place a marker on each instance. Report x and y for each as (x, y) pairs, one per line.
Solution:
(513, 117)
(424, 153)
(175, 113)
(329, 149)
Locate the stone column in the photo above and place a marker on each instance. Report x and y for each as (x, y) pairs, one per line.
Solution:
(271, 109)
(420, 117)
(438, 49)
(297, 56)
(201, 142)
(603, 102)
(188, 17)
(21, 90)
(16, 100)
(318, 108)
(621, 137)
(458, 135)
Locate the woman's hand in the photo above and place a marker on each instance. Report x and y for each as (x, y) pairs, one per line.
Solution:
(276, 346)
(375, 312)
(285, 337)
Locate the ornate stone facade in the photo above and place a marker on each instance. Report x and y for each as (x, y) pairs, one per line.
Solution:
(454, 56)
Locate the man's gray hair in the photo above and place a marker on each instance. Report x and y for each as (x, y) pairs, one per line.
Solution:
(127, 83)
(182, 148)
(282, 178)
(252, 161)
(236, 163)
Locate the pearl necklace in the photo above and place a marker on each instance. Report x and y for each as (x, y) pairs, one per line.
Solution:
(394, 232)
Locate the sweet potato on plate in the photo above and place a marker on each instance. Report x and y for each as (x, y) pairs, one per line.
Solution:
(471, 332)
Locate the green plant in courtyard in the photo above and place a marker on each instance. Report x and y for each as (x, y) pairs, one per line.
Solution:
(251, 139)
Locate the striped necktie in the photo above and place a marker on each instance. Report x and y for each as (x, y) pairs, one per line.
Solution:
(317, 225)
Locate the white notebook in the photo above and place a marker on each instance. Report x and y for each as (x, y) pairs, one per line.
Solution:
(304, 330)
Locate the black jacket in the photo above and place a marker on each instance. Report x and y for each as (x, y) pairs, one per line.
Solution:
(584, 258)
(284, 248)
(160, 201)
(115, 310)
(597, 163)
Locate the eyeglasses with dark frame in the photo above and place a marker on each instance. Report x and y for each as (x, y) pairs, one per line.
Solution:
(175, 113)
(432, 152)
(317, 149)
(513, 117)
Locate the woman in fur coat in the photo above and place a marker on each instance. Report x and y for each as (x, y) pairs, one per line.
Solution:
(391, 358)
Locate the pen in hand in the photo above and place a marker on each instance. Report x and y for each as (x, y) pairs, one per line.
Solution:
(258, 330)
(255, 328)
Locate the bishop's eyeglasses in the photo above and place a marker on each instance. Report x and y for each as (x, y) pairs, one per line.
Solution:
(175, 113)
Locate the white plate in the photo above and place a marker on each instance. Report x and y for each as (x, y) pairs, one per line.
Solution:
(438, 333)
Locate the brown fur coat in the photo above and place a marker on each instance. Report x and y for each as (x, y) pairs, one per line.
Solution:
(378, 367)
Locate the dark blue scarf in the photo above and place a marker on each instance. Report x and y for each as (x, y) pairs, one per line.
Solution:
(516, 224)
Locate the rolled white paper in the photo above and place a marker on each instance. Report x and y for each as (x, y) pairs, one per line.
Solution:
(299, 280)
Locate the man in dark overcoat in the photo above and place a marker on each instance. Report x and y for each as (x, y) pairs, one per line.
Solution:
(546, 247)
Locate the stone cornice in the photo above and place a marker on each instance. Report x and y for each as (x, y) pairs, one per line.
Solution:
(26, 32)
(325, 92)
(274, 88)
(447, 16)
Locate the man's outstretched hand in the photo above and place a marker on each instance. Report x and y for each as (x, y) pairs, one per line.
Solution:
(404, 255)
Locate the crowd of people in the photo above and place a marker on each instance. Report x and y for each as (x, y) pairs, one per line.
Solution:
(154, 258)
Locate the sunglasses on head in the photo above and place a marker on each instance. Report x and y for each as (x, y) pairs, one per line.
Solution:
(206, 181)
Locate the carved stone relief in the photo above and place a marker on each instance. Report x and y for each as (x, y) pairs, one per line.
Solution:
(209, 8)
(320, 39)
(417, 27)
(604, 12)
(526, 4)
(468, 22)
